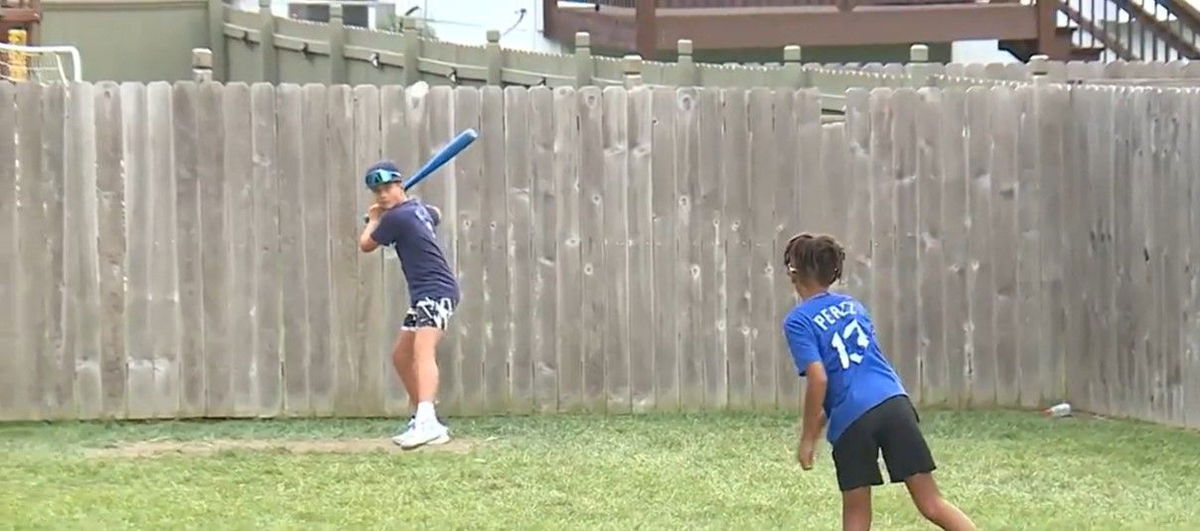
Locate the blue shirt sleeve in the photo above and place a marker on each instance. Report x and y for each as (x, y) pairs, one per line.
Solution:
(391, 226)
(802, 341)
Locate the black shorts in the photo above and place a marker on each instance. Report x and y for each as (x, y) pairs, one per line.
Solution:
(428, 313)
(890, 427)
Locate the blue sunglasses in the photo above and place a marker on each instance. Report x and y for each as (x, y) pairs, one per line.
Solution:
(377, 178)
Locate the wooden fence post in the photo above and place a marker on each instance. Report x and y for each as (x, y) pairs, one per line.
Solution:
(632, 66)
(202, 65)
(495, 58)
(216, 39)
(266, 42)
(685, 65)
(792, 72)
(583, 59)
(918, 65)
(412, 52)
(337, 45)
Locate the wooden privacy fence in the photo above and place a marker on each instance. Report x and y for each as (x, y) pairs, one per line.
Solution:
(189, 250)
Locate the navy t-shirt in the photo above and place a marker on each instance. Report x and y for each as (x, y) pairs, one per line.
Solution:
(409, 229)
(836, 330)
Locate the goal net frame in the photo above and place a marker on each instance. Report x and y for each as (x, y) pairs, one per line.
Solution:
(76, 70)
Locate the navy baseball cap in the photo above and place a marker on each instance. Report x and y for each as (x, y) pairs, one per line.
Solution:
(382, 172)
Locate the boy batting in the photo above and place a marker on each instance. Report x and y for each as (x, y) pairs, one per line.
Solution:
(407, 225)
(851, 384)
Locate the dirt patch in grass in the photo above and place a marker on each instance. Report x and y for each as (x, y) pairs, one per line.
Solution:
(327, 446)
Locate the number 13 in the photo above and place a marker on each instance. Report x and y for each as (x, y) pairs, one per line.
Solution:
(840, 345)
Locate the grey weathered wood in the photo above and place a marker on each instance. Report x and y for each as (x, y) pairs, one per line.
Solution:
(188, 242)
(11, 364)
(709, 227)
(470, 326)
(1052, 102)
(568, 222)
(165, 312)
(1005, 240)
(82, 316)
(931, 238)
(794, 111)
(1128, 250)
(344, 217)
(214, 258)
(372, 331)
(1029, 252)
(239, 201)
(441, 190)
(955, 216)
(265, 227)
(980, 283)
(1190, 371)
(34, 258)
(139, 224)
(883, 221)
(318, 296)
(1081, 362)
(1103, 278)
(638, 311)
(56, 362)
(110, 246)
(735, 210)
(1142, 273)
(493, 224)
(294, 345)
(518, 229)
(398, 146)
(545, 225)
(613, 270)
(680, 260)
(670, 203)
(1171, 227)
(859, 246)
(592, 203)
(906, 353)
(759, 227)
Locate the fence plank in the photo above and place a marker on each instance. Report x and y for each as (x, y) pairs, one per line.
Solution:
(82, 315)
(441, 190)
(110, 245)
(1005, 241)
(883, 221)
(219, 359)
(613, 272)
(1103, 339)
(639, 279)
(735, 187)
(185, 100)
(1029, 251)
(794, 111)
(1128, 249)
(320, 301)
(713, 296)
(139, 224)
(931, 237)
(34, 255)
(906, 341)
(1190, 372)
(1080, 361)
(519, 231)
(681, 260)
(470, 328)
(264, 220)
(372, 331)
(1171, 228)
(294, 318)
(858, 233)
(1145, 316)
(58, 364)
(759, 230)
(546, 227)
(591, 183)
(11, 366)
(398, 146)
(955, 219)
(344, 217)
(569, 220)
(239, 168)
(982, 350)
(165, 317)
(1051, 122)
(496, 348)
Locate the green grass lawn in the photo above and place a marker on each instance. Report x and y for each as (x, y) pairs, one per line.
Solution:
(1007, 470)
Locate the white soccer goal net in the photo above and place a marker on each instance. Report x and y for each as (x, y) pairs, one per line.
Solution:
(40, 64)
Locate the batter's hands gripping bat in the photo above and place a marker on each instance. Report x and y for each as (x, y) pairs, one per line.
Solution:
(440, 158)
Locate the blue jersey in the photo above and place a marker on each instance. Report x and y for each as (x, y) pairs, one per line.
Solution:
(836, 330)
(408, 228)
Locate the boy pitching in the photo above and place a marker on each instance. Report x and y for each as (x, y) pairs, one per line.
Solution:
(407, 225)
(851, 384)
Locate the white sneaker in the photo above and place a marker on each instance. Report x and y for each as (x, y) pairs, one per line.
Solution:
(423, 433)
(412, 423)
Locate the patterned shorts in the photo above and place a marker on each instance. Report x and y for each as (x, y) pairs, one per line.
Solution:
(429, 313)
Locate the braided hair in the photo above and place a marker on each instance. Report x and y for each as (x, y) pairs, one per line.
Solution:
(815, 258)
